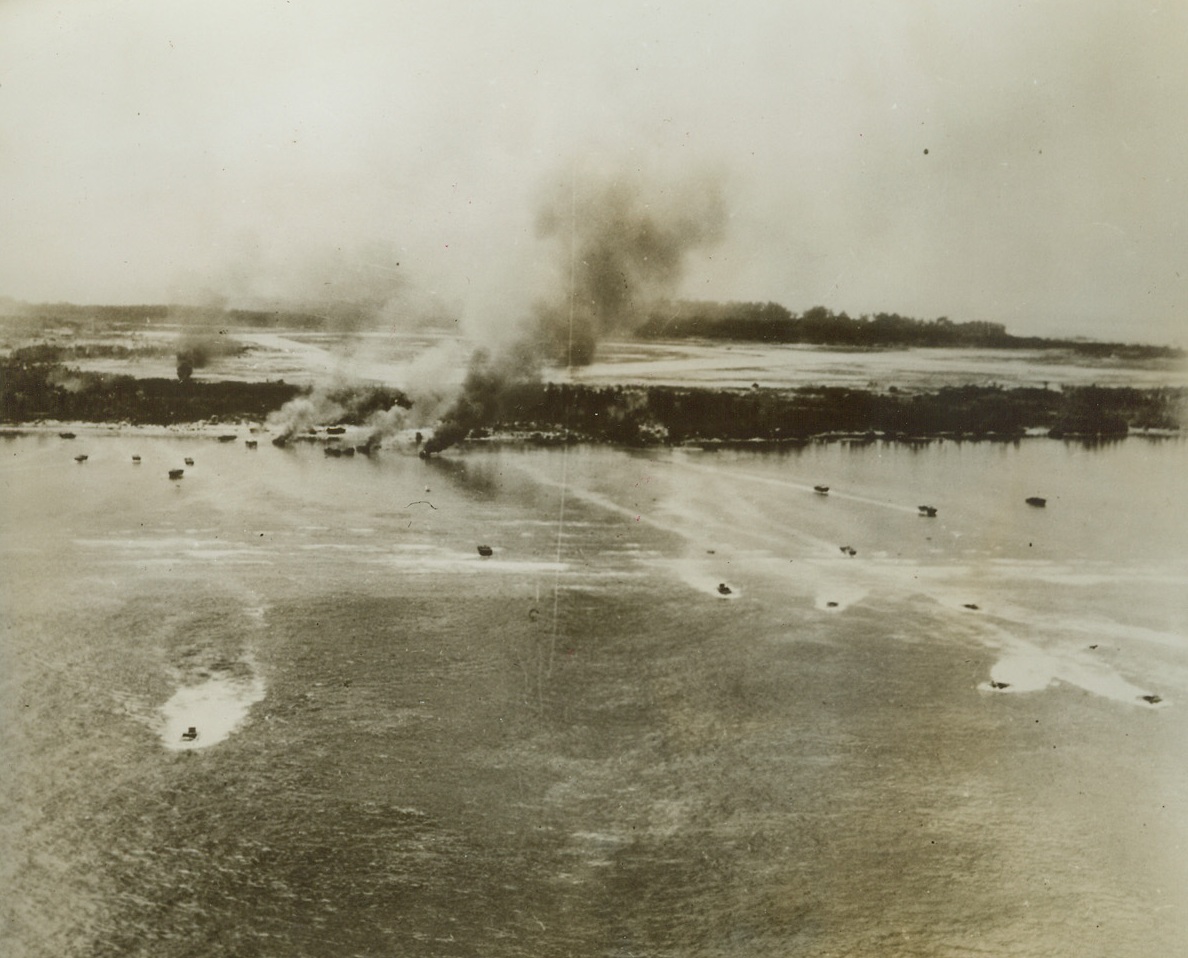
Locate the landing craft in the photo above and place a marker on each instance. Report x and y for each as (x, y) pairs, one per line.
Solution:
(1036, 501)
(485, 551)
(929, 511)
(66, 435)
(821, 490)
(188, 461)
(176, 473)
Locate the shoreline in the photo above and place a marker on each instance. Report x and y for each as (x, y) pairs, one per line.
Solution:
(255, 430)
(46, 397)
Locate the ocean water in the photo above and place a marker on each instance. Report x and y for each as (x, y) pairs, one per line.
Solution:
(967, 737)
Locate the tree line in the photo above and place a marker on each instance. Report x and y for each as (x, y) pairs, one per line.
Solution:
(773, 323)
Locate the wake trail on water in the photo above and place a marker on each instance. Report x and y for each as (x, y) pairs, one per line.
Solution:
(785, 484)
(702, 521)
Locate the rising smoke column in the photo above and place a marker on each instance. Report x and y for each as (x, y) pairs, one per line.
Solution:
(202, 337)
(626, 242)
(621, 244)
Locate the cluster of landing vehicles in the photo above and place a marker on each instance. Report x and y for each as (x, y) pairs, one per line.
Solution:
(173, 473)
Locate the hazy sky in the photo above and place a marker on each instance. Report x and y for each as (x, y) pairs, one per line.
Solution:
(1022, 162)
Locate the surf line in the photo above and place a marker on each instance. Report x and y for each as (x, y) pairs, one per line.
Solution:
(565, 414)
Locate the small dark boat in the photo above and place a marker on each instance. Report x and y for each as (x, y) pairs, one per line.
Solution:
(188, 461)
(485, 551)
(849, 550)
(1151, 699)
(970, 605)
(331, 451)
(190, 734)
(335, 430)
(250, 443)
(176, 473)
(999, 685)
(724, 589)
(929, 511)
(136, 459)
(80, 458)
(1036, 501)
(821, 490)
(66, 435)
(228, 438)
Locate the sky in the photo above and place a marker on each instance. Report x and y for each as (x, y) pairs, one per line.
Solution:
(1018, 162)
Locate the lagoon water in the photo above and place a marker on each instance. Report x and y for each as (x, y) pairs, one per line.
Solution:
(939, 745)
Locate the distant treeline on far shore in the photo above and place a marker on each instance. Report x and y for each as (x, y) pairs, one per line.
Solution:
(742, 322)
(773, 323)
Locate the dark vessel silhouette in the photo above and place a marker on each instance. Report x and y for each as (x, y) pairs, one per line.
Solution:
(1036, 501)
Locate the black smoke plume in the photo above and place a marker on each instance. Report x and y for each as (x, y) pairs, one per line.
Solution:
(621, 245)
(203, 337)
(483, 398)
(626, 243)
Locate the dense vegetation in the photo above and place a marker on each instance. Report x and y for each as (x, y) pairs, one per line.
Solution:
(32, 391)
(667, 414)
(772, 323)
(58, 353)
(29, 393)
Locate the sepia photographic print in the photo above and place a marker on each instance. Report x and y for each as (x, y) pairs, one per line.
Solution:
(609, 480)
